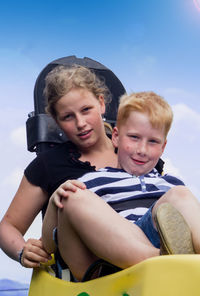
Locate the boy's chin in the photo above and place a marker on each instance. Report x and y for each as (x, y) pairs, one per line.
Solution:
(138, 173)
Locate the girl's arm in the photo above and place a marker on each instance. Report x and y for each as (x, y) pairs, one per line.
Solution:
(25, 206)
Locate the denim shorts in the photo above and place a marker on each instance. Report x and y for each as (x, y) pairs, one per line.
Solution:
(146, 225)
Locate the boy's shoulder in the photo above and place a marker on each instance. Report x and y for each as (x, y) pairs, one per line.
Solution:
(173, 179)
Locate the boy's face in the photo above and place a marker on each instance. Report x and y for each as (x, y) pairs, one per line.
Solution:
(139, 144)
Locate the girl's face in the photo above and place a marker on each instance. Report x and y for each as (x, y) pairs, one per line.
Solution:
(139, 144)
(79, 114)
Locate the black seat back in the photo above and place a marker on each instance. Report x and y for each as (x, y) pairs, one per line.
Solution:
(42, 130)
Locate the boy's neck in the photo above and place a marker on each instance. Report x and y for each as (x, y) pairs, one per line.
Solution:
(132, 173)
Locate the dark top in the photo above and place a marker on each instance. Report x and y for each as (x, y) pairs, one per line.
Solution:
(53, 167)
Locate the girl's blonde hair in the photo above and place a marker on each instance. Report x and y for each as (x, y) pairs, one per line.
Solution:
(62, 79)
(158, 110)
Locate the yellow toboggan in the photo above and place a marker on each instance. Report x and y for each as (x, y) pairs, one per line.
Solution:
(170, 275)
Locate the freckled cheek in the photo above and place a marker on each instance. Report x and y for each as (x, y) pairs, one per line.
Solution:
(128, 148)
(156, 153)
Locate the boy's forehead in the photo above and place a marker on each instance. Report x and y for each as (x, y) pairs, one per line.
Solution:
(141, 122)
(135, 116)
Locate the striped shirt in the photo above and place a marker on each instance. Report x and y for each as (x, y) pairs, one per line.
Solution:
(129, 195)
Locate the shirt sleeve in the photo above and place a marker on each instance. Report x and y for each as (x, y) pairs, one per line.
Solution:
(173, 180)
(36, 172)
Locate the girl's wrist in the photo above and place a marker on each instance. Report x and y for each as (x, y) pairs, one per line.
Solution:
(20, 254)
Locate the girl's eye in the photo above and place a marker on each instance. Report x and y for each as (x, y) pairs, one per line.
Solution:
(86, 109)
(67, 117)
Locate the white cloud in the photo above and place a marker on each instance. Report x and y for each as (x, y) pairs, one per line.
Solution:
(13, 179)
(181, 94)
(182, 150)
(183, 113)
(186, 127)
(14, 156)
(18, 136)
(178, 96)
(11, 269)
(170, 168)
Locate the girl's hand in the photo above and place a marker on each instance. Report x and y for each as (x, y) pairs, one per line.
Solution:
(63, 191)
(34, 254)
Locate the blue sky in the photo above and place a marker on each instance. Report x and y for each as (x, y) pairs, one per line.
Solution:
(149, 45)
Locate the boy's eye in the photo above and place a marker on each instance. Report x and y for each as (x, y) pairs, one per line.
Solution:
(135, 137)
(153, 141)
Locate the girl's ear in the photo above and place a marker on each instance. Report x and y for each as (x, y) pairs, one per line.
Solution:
(102, 104)
(115, 137)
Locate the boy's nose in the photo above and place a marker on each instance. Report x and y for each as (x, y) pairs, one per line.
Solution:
(142, 148)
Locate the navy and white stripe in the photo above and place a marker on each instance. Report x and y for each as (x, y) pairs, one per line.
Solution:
(129, 195)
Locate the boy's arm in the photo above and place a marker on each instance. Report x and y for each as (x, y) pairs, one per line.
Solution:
(51, 215)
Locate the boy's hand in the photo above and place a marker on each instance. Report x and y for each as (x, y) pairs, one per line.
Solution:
(63, 191)
(34, 254)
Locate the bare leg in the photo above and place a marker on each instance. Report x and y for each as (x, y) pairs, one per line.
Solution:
(186, 203)
(89, 228)
(74, 252)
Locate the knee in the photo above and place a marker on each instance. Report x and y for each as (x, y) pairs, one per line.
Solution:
(69, 210)
(71, 202)
(180, 193)
(77, 202)
(180, 190)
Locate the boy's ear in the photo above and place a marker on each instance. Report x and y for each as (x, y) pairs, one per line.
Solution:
(164, 145)
(115, 137)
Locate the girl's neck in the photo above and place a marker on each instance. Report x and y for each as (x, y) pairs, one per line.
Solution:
(101, 155)
(103, 144)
